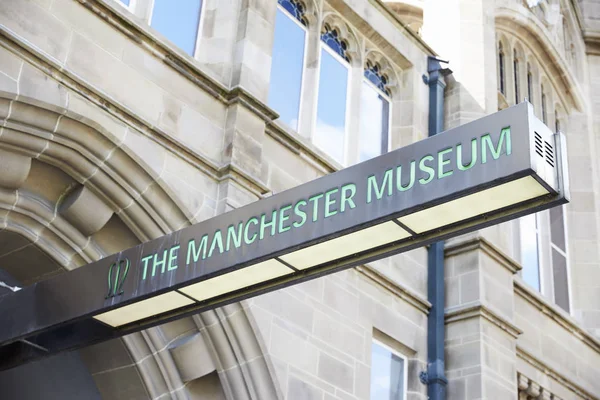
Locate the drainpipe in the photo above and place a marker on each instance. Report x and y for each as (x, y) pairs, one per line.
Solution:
(434, 377)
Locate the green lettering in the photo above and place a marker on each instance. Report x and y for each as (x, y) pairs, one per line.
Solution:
(315, 200)
(459, 156)
(195, 253)
(270, 224)
(300, 213)
(442, 162)
(284, 217)
(157, 263)
(247, 239)
(234, 236)
(145, 261)
(173, 258)
(347, 198)
(217, 241)
(427, 169)
(411, 182)
(379, 191)
(486, 143)
(330, 202)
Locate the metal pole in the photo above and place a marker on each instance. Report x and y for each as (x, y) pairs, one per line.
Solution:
(436, 379)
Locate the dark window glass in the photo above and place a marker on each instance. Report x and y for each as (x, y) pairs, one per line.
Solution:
(530, 86)
(330, 133)
(387, 374)
(178, 21)
(501, 68)
(556, 122)
(331, 37)
(529, 251)
(516, 73)
(286, 69)
(557, 227)
(544, 115)
(374, 123)
(561, 283)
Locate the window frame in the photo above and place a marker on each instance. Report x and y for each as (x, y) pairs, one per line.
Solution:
(304, 68)
(388, 98)
(399, 355)
(349, 89)
(198, 31)
(130, 7)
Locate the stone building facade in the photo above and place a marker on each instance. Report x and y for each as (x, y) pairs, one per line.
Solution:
(123, 120)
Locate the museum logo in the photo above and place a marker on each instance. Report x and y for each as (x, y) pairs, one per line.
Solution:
(117, 273)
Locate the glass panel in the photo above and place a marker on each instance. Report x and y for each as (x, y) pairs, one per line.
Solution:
(529, 251)
(178, 21)
(126, 2)
(295, 8)
(387, 374)
(561, 283)
(516, 72)
(557, 228)
(374, 121)
(331, 110)
(286, 69)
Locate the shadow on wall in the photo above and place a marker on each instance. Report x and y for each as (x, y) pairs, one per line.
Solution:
(63, 376)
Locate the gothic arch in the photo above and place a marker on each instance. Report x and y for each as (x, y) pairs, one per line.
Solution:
(354, 51)
(534, 36)
(76, 192)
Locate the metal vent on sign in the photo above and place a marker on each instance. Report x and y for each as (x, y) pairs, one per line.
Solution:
(549, 153)
(539, 149)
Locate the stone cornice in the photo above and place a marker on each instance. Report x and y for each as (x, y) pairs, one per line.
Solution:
(553, 312)
(592, 42)
(477, 309)
(544, 368)
(399, 290)
(475, 241)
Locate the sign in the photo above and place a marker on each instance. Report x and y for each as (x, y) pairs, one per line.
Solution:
(491, 170)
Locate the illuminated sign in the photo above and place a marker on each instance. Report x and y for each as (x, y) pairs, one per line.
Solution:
(491, 170)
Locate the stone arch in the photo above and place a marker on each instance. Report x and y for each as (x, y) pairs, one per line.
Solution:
(347, 33)
(536, 41)
(387, 69)
(104, 188)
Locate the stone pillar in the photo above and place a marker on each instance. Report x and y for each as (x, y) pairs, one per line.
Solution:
(480, 332)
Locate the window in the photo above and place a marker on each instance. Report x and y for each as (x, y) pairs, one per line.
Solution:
(126, 2)
(288, 61)
(559, 257)
(530, 251)
(556, 122)
(388, 373)
(516, 76)
(178, 21)
(529, 84)
(375, 113)
(501, 67)
(330, 131)
(544, 113)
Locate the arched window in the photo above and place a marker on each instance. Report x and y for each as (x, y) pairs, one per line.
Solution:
(331, 37)
(529, 84)
(501, 67)
(178, 21)
(375, 113)
(334, 75)
(516, 75)
(287, 63)
(544, 111)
